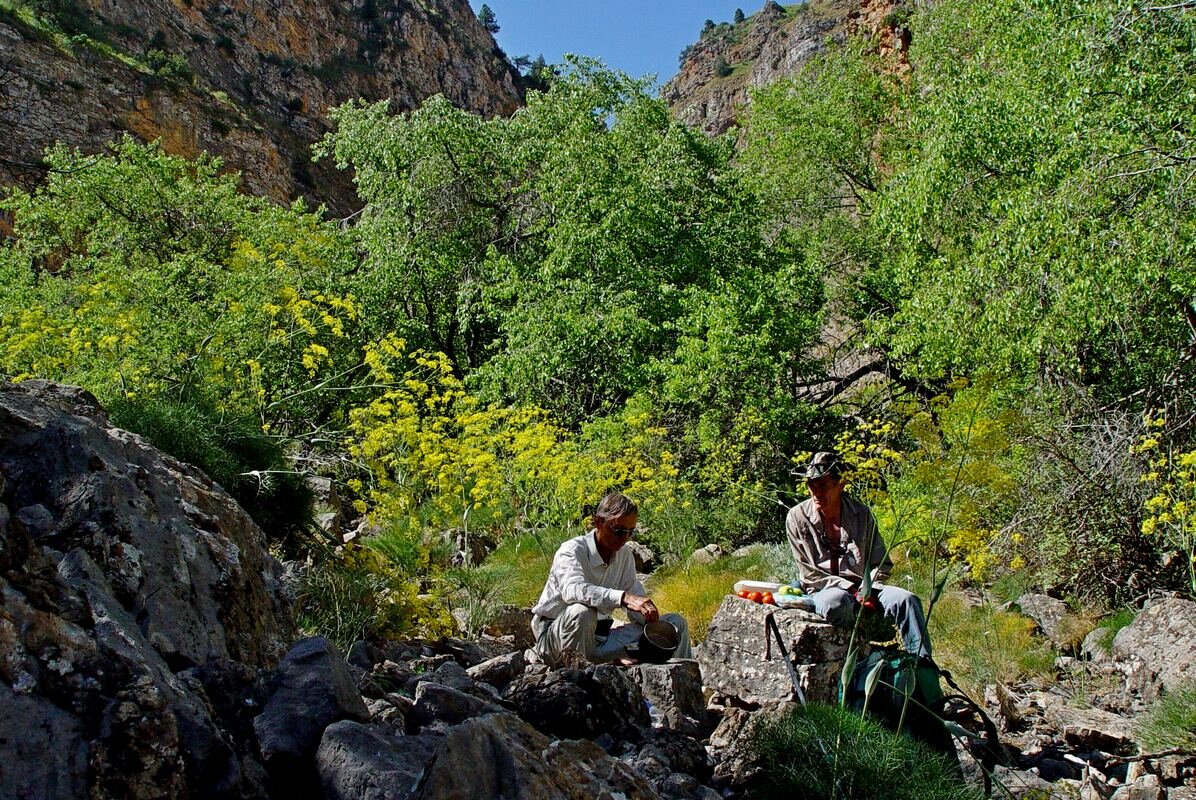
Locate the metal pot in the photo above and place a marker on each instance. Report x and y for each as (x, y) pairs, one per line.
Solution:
(658, 642)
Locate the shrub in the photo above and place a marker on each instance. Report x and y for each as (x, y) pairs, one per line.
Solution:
(356, 594)
(1171, 721)
(826, 753)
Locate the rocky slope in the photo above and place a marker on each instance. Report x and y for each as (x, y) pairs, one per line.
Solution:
(711, 88)
(249, 80)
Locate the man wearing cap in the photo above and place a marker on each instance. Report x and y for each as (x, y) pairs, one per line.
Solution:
(592, 575)
(834, 540)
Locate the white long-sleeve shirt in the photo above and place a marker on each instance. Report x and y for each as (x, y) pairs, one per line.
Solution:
(579, 575)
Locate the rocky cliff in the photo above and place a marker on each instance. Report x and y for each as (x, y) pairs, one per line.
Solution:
(248, 80)
(717, 71)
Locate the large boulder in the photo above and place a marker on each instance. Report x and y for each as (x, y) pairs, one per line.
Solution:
(362, 762)
(312, 689)
(499, 755)
(737, 661)
(1157, 651)
(121, 569)
(598, 700)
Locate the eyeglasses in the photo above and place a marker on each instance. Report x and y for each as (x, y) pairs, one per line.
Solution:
(622, 533)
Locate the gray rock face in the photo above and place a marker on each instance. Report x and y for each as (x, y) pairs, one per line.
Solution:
(673, 686)
(501, 756)
(313, 688)
(359, 762)
(572, 703)
(121, 570)
(1158, 649)
(1048, 613)
(448, 705)
(733, 662)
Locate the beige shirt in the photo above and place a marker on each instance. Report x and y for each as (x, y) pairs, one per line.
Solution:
(858, 535)
(579, 575)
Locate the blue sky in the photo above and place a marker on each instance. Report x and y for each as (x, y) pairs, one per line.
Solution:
(636, 36)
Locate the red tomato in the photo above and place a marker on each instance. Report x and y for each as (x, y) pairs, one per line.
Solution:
(766, 599)
(743, 593)
(755, 597)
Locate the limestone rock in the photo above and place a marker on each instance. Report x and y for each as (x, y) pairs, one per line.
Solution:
(1048, 613)
(313, 689)
(645, 559)
(250, 83)
(360, 762)
(499, 755)
(141, 573)
(675, 686)
(732, 657)
(515, 622)
(1158, 649)
(1091, 729)
(442, 703)
(500, 670)
(573, 702)
(710, 90)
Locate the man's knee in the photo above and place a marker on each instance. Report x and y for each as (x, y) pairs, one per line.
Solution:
(896, 597)
(577, 620)
(835, 604)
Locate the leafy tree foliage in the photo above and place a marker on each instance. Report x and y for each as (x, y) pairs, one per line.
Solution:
(488, 19)
(584, 251)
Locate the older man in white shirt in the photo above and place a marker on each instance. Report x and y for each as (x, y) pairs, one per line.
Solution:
(592, 575)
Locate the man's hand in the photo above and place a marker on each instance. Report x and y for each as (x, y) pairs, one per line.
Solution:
(642, 605)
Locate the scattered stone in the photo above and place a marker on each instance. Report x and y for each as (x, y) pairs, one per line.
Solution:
(576, 702)
(1048, 613)
(645, 559)
(434, 702)
(499, 755)
(706, 555)
(500, 670)
(512, 621)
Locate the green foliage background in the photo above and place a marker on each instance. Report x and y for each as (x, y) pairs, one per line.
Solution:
(532, 310)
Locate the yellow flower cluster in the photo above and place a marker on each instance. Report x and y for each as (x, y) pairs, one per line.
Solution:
(439, 458)
(1168, 513)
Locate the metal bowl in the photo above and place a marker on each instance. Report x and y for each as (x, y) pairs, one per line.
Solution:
(658, 642)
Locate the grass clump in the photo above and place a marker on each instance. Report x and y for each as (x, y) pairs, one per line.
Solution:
(983, 645)
(1171, 721)
(821, 752)
(696, 590)
(524, 561)
(1112, 625)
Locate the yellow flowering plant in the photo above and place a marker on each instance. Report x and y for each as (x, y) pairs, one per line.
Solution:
(1169, 513)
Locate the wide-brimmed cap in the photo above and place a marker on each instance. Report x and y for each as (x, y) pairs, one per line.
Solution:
(820, 464)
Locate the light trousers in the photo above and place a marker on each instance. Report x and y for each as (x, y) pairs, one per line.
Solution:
(901, 606)
(575, 629)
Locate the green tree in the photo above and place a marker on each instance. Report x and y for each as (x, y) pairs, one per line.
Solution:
(487, 18)
(739, 16)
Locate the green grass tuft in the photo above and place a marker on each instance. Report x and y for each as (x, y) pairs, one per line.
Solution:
(821, 752)
(1171, 721)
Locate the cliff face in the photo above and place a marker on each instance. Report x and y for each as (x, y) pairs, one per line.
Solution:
(711, 88)
(249, 80)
